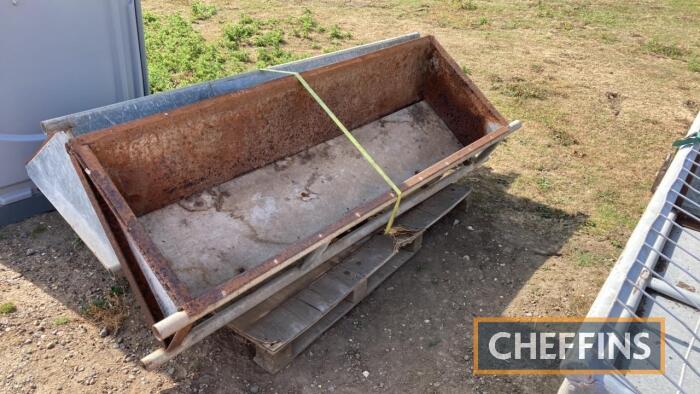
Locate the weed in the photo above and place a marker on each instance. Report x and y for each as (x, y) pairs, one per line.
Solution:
(38, 230)
(562, 137)
(538, 68)
(544, 10)
(270, 57)
(108, 311)
(77, 243)
(203, 11)
(588, 259)
(306, 24)
(116, 290)
(467, 5)
(523, 90)
(271, 38)
(482, 21)
(177, 54)
(608, 196)
(609, 222)
(7, 308)
(236, 34)
(338, 34)
(617, 243)
(61, 321)
(240, 56)
(694, 64)
(466, 70)
(609, 38)
(543, 184)
(672, 51)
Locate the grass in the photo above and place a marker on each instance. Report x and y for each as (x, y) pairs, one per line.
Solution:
(61, 321)
(7, 307)
(202, 11)
(543, 184)
(669, 50)
(523, 90)
(694, 64)
(467, 5)
(179, 55)
(337, 33)
(109, 311)
(588, 259)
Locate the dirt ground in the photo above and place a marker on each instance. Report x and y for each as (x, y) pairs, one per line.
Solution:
(602, 88)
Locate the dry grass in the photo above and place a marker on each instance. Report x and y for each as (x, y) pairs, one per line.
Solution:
(602, 87)
(107, 311)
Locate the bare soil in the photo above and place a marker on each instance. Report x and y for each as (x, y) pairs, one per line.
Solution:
(545, 223)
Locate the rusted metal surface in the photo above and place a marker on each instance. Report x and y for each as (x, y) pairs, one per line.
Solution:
(144, 165)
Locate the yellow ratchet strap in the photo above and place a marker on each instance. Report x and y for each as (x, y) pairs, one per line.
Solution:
(354, 141)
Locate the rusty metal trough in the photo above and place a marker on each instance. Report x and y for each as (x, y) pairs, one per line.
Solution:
(211, 204)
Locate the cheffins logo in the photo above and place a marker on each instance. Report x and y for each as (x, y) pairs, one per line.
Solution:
(564, 345)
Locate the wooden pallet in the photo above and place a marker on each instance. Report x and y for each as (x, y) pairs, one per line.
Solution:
(286, 324)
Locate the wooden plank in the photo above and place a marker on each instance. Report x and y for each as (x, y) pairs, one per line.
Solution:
(430, 211)
(273, 362)
(353, 278)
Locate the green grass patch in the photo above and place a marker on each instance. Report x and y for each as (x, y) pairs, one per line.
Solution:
(588, 259)
(305, 25)
(177, 54)
(669, 50)
(609, 222)
(273, 38)
(337, 33)
(7, 307)
(202, 11)
(523, 90)
(543, 184)
(237, 34)
(61, 321)
(694, 64)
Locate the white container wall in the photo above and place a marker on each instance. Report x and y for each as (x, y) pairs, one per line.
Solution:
(58, 58)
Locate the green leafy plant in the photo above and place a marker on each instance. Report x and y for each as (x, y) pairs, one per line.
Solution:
(177, 54)
(7, 308)
(338, 34)
(203, 11)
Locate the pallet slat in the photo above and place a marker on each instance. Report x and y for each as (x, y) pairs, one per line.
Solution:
(286, 330)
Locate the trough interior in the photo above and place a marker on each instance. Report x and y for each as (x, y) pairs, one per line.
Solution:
(224, 183)
(230, 228)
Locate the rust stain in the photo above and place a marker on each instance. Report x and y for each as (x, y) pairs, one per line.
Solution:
(686, 286)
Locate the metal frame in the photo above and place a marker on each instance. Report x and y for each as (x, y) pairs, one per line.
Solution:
(658, 273)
